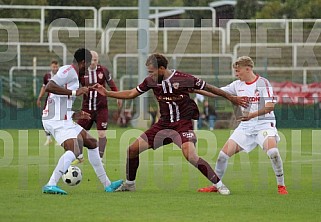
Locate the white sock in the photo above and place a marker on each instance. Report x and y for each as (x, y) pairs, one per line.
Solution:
(62, 166)
(219, 184)
(221, 164)
(277, 165)
(94, 159)
(48, 137)
(129, 182)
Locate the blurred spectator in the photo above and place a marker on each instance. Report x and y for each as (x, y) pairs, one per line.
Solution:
(210, 114)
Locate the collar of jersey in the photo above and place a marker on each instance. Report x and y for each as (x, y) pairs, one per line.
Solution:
(173, 71)
(249, 83)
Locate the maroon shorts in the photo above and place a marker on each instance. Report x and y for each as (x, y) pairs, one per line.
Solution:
(162, 133)
(99, 116)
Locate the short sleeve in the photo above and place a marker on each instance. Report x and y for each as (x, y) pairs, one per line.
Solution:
(230, 88)
(61, 78)
(199, 83)
(146, 85)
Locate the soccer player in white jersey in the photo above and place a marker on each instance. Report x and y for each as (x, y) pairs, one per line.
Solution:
(58, 119)
(258, 124)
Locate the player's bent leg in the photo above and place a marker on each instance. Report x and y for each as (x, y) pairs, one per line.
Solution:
(138, 146)
(221, 164)
(190, 154)
(230, 148)
(277, 165)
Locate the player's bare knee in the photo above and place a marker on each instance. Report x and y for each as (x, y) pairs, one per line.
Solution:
(132, 152)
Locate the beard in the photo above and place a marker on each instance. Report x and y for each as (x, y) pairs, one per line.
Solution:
(158, 79)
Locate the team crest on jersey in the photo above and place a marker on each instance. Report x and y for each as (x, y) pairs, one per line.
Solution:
(176, 85)
(100, 75)
(257, 93)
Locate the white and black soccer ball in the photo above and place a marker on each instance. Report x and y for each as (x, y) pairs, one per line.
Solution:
(72, 176)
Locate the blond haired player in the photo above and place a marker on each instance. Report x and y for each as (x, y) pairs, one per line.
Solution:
(258, 124)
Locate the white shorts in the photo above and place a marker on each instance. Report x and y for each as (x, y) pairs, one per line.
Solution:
(62, 130)
(248, 142)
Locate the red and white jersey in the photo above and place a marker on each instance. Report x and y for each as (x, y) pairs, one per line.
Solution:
(59, 107)
(259, 92)
(173, 97)
(93, 100)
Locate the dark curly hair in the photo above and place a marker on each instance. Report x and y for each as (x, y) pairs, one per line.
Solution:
(82, 54)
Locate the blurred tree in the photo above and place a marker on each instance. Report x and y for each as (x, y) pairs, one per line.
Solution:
(271, 9)
(77, 16)
(197, 15)
(166, 3)
(119, 14)
(15, 13)
(291, 9)
(311, 9)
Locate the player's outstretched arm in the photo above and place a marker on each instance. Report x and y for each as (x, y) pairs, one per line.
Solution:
(125, 94)
(236, 100)
(52, 87)
(205, 93)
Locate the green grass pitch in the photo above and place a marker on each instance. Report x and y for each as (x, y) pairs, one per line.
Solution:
(166, 183)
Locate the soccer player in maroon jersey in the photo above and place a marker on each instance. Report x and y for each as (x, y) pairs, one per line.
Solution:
(96, 104)
(171, 89)
(54, 66)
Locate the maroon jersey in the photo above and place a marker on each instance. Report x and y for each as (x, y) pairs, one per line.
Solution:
(47, 77)
(94, 100)
(173, 95)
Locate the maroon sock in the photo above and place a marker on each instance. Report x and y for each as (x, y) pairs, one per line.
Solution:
(102, 145)
(131, 168)
(207, 171)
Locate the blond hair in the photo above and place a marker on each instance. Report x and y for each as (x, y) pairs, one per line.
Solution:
(243, 61)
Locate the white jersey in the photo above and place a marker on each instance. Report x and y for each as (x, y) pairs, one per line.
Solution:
(59, 107)
(258, 92)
